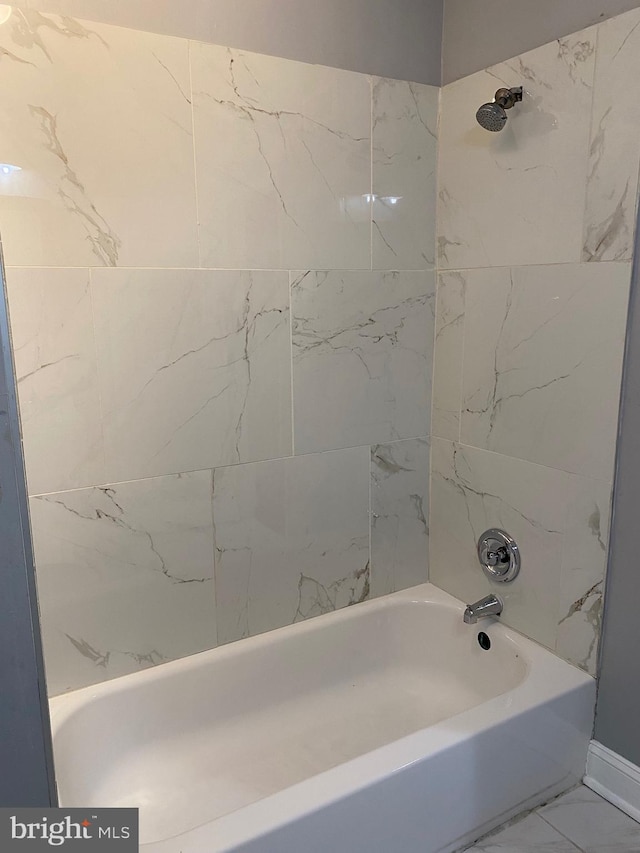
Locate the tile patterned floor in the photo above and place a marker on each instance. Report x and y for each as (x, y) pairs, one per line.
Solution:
(577, 822)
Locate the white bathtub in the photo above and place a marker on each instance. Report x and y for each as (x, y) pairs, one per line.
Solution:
(384, 728)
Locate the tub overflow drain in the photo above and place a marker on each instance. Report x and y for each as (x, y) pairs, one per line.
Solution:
(485, 642)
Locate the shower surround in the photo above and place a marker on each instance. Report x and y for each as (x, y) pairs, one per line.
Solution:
(535, 238)
(221, 279)
(222, 290)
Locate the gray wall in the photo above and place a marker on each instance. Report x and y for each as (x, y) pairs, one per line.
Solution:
(390, 38)
(26, 766)
(479, 33)
(618, 709)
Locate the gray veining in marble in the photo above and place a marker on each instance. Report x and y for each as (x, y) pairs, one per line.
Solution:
(194, 368)
(560, 522)
(56, 371)
(448, 356)
(543, 351)
(518, 196)
(362, 357)
(473, 490)
(100, 125)
(291, 540)
(125, 576)
(404, 144)
(312, 168)
(399, 515)
(584, 562)
(614, 153)
(283, 162)
(535, 228)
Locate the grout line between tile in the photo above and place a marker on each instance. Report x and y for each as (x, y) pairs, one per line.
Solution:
(213, 538)
(225, 465)
(603, 480)
(370, 469)
(433, 268)
(514, 821)
(555, 828)
(293, 419)
(429, 489)
(587, 181)
(371, 172)
(460, 377)
(116, 269)
(579, 263)
(99, 382)
(193, 144)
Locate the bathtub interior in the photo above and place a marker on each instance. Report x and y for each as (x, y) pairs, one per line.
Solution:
(194, 740)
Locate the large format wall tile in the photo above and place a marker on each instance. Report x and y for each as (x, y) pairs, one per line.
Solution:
(195, 368)
(291, 540)
(99, 121)
(614, 153)
(362, 357)
(543, 355)
(584, 560)
(449, 348)
(54, 352)
(473, 490)
(560, 522)
(283, 154)
(518, 196)
(404, 145)
(399, 515)
(125, 576)
(529, 353)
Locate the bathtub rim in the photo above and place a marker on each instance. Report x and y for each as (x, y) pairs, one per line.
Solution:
(63, 704)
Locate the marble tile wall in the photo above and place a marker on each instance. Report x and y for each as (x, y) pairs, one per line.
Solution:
(222, 291)
(362, 343)
(224, 303)
(535, 241)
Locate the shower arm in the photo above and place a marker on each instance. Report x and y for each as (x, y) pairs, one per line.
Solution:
(508, 97)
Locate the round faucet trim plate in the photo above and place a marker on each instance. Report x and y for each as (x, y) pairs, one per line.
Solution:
(499, 555)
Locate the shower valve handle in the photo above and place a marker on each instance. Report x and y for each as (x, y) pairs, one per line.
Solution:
(500, 555)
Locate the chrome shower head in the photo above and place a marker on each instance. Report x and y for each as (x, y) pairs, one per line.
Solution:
(493, 116)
